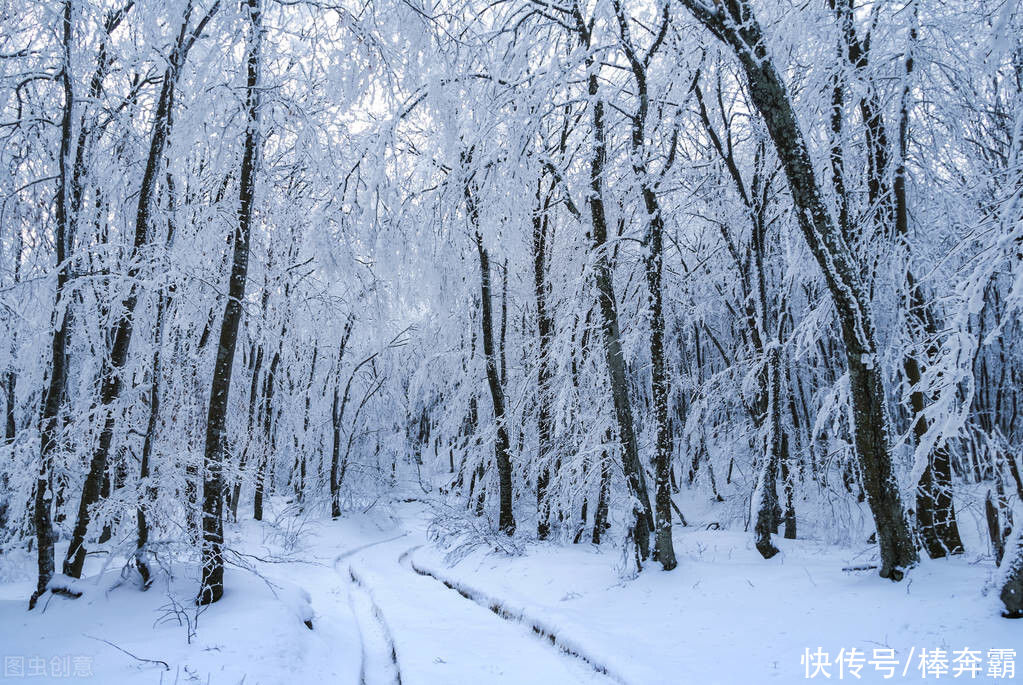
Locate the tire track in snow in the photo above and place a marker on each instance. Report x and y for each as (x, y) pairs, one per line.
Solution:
(356, 550)
(379, 656)
(500, 609)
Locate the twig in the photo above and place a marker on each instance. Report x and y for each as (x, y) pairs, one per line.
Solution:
(166, 666)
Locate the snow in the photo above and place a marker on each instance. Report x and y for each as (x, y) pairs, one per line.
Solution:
(386, 607)
(255, 634)
(726, 615)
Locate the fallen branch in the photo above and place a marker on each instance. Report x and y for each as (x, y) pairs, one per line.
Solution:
(678, 511)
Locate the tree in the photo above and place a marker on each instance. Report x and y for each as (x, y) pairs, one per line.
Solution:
(211, 587)
(638, 62)
(502, 448)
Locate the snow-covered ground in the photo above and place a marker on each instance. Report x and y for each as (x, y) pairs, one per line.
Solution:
(387, 608)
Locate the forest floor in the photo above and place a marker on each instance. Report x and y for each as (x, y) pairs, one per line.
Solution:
(386, 606)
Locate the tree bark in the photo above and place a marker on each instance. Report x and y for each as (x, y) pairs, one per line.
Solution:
(54, 391)
(545, 327)
(664, 551)
(269, 443)
(600, 524)
(935, 510)
(766, 501)
(255, 364)
(147, 492)
(337, 413)
(1012, 589)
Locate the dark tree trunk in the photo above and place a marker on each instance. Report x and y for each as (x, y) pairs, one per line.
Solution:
(545, 331)
(935, 510)
(789, 465)
(788, 479)
(736, 26)
(766, 504)
(502, 447)
(262, 460)
(300, 485)
(335, 454)
(54, 391)
(337, 413)
(10, 424)
(10, 379)
(255, 364)
(600, 523)
(664, 551)
(1012, 589)
(994, 528)
(147, 491)
(211, 588)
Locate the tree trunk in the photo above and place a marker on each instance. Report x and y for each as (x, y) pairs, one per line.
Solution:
(765, 503)
(604, 278)
(545, 327)
(600, 524)
(262, 460)
(1012, 589)
(212, 586)
(502, 447)
(935, 510)
(337, 413)
(335, 456)
(255, 364)
(54, 391)
(10, 379)
(300, 485)
(147, 492)
(664, 551)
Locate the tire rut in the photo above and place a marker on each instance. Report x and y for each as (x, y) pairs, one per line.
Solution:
(379, 657)
(547, 633)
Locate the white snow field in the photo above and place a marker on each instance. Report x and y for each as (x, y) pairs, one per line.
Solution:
(386, 607)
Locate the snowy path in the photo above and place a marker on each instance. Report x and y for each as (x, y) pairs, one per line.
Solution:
(438, 636)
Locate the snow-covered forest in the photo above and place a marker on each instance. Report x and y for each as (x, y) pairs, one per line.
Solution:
(508, 341)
